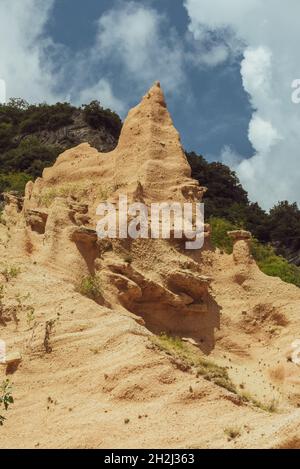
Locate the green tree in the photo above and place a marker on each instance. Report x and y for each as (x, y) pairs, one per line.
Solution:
(30, 157)
(284, 223)
(96, 116)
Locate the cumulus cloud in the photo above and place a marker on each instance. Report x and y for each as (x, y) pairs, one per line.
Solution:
(24, 63)
(256, 71)
(133, 37)
(266, 36)
(262, 134)
(102, 91)
(2, 91)
(230, 157)
(133, 40)
(36, 68)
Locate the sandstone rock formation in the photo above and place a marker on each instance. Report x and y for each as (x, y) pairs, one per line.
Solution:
(89, 364)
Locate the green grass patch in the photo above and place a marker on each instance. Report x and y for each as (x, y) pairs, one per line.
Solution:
(273, 265)
(193, 359)
(10, 272)
(90, 287)
(267, 260)
(270, 407)
(219, 236)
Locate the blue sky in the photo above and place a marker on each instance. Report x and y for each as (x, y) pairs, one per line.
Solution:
(226, 67)
(211, 112)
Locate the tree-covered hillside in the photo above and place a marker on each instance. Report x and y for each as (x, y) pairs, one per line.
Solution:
(26, 130)
(226, 199)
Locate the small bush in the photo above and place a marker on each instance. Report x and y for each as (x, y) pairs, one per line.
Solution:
(219, 236)
(97, 117)
(232, 432)
(30, 317)
(6, 398)
(47, 196)
(90, 287)
(273, 265)
(10, 272)
(128, 259)
(270, 407)
(14, 182)
(264, 254)
(191, 357)
(30, 157)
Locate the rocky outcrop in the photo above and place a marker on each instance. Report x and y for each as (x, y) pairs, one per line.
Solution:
(241, 246)
(148, 165)
(79, 131)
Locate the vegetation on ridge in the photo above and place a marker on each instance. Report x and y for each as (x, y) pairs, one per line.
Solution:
(190, 358)
(264, 254)
(6, 398)
(227, 200)
(23, 155)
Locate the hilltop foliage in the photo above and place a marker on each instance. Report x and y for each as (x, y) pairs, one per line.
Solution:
(22, 154)
(226, 199)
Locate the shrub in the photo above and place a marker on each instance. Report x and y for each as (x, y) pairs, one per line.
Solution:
(97, 117)
(264, 254)
(273, 265)
(6, 134)
(30, 157)
(90, 287)
(232, 432)
(46, 117)
(10, 272)
(219, 236)
(192, 357)
(6, 398)
(15, 182)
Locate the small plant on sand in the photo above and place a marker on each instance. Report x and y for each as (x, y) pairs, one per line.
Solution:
(270, 407)
(90, 287)
(192, 358)
(48, 196)
(30, 317)
(232, 432)
(189, 358)
(48, 331)
(10, 272)
(6, 398)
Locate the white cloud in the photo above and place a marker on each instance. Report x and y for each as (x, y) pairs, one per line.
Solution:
(215, 56)
(133, 36)
(36, 68)
(2, 91)
(262, 134)
(203, 54)
(102, 92)
(256, 69)
(24, 65)
(267, 34)
(230, 157)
